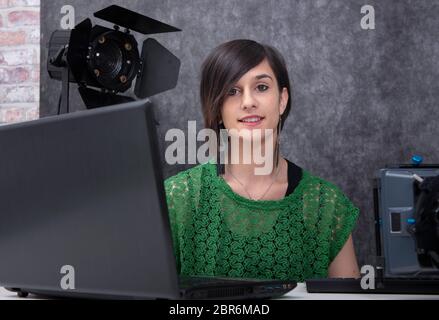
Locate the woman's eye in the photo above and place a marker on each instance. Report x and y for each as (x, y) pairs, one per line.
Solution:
(233, 92)
(262, 87)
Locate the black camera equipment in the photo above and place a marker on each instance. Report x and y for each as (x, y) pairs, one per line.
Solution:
(426, 229)
(406, 199)
(104, 62)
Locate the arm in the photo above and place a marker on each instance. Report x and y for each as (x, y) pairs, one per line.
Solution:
(345, 263)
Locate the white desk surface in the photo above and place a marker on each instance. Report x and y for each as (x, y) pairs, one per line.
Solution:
(299, 293)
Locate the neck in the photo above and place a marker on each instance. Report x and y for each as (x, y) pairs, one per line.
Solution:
(253, 161)
(269, 187)
(247, 173)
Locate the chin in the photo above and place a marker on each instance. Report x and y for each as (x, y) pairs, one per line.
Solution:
(251, 133)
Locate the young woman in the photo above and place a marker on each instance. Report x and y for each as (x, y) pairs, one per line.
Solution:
(228, 221)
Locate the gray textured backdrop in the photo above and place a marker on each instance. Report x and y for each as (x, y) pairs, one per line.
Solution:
(361, 98)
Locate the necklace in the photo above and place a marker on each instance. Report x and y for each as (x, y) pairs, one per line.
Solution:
(265, 193)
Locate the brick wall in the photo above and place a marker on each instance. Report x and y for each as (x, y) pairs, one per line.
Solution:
(19, 60)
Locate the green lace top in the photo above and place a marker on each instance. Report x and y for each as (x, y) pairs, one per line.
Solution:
(217, 232)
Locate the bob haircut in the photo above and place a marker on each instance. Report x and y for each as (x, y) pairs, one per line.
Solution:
(224, 66)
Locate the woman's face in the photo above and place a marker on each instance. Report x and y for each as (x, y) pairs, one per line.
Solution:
(255, 101)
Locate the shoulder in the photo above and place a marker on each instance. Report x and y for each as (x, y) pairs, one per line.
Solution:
(330, 193)
(310, 182)
(184, 189)
(322, 185)
(189, 176)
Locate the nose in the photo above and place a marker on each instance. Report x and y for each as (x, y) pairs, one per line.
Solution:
(248, 100)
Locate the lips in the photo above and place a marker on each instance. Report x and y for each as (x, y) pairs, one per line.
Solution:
(252, 120)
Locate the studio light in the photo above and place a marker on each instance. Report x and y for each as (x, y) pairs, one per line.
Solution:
(105, 62)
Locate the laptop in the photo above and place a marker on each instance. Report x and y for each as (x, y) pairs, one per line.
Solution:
(83, 212)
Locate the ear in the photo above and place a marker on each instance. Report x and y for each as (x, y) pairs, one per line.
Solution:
(284, 97)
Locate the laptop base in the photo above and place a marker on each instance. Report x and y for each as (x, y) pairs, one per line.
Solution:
(201, 288)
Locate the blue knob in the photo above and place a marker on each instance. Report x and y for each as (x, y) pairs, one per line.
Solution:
(411, 221)
(417, 160)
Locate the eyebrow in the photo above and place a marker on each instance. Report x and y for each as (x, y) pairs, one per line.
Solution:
(262, 76)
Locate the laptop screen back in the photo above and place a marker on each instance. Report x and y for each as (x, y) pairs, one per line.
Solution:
(83, 194)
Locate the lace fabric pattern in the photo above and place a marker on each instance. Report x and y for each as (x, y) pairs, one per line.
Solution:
(217, 232)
